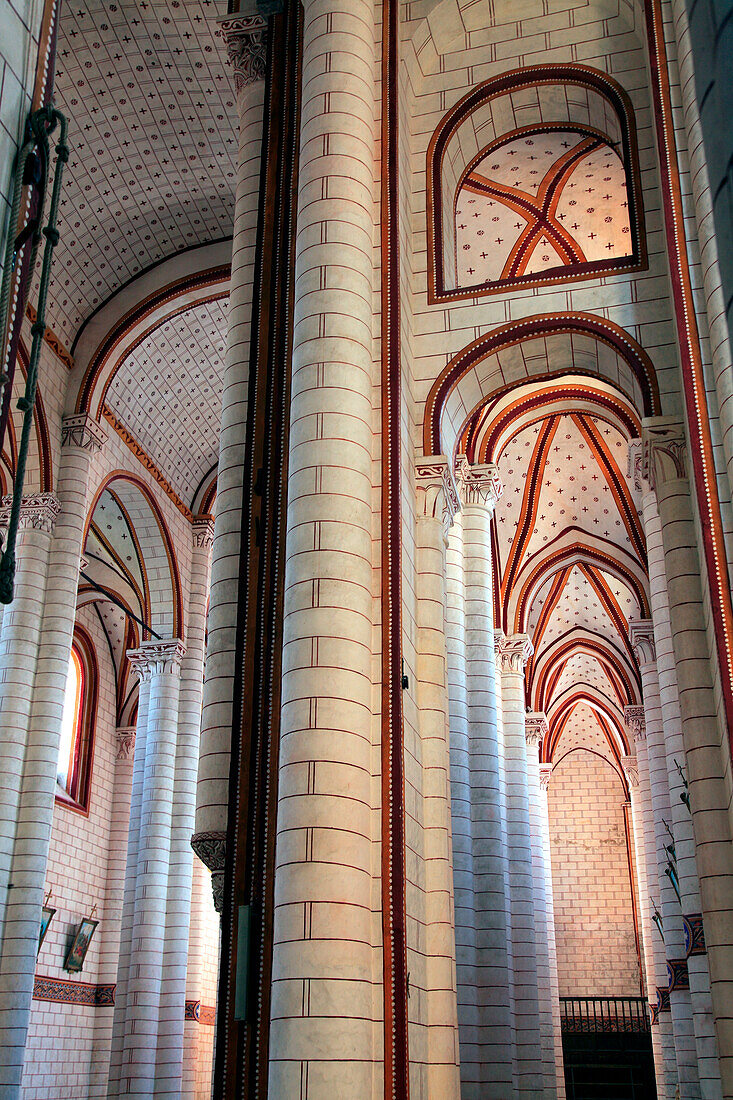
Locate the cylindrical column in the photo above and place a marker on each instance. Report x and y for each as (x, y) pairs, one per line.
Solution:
(436, 506)
(695, 967)
(536, 728)
(159, 663)
(180, 874)
(490, 1075)
(128, 898)
(82, 437)
(326, 1015)
(114, 890)
(655, 962)
(18, 658)
(499, 644)
(545, 771)
(460, 788)
(679, 996)
(706, 743)
(244, 46)
(517, 651)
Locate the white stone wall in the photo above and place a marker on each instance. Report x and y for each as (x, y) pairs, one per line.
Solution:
(594, 924)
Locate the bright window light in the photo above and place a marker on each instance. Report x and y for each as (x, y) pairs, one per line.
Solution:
(70, 723)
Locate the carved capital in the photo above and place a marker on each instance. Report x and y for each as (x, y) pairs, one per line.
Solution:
(436, 492)
(635, 466)
(536, 727)
(157, 657)
(545, 773)
(635, 721)
(38, 512)
(516, 652)
(641, 636)
(83, 431)
(499, 643)
(631, 770)
(245, 37)
(479, 484)
(664, 449)
(211, 849)
(125, 742)
(202, 530)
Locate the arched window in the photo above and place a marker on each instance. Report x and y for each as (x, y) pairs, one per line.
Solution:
(73, 772)
(533, 178)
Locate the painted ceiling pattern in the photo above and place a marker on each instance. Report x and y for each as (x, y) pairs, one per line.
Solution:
(567, 520)
(541, 202)
(151, 106)
(175, 415)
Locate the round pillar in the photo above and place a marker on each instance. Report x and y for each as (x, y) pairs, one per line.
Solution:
(326, 1015)
(516, 652)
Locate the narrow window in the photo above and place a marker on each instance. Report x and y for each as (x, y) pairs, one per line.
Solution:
(73, 770)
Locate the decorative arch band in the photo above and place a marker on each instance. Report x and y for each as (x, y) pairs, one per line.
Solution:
(542, 325)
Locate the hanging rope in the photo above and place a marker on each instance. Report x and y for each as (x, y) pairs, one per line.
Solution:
(42, 124)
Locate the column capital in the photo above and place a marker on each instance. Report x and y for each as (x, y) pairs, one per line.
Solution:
(641, 636)
(545, 773)
(126, 742)
(157, 657)
(664, 450)
(38, 512)
(211, 849)
(630, 766)
(516, 652)
(202, 532)
(635, 721)
(499, 642)
(478, 484)
(245, 38)
(83, 431)
(436, 491)
(536, 727)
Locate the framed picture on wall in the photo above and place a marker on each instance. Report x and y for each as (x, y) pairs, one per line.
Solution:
(78, 951)
(47, 915)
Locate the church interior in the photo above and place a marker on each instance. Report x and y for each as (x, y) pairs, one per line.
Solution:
(366, 550)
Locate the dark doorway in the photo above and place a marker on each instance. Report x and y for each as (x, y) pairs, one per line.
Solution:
(607, 1049)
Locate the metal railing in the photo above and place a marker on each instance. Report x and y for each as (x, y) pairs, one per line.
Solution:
(592, 1014)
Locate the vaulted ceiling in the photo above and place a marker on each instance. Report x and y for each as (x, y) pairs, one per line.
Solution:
(152, 130)
(570, 561)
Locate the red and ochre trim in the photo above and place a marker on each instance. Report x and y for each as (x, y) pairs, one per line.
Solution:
(691, 368)
(63, 992)
(517, 80)
(394, 942)
(116, 345)
(516, 332)
(176, 595)
(480, 443)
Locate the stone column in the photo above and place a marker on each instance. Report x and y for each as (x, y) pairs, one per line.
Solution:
(436, 506)
(119, 1019)
(491, 1072)
(545, 773)
(245, 41)
(158, 664)
(81, 439)
(180, 874)
(460, 790)
(706, 741)
(517, 651)
(642, 638)
(326, 981)
(536, 729)
(114, 891)
(695, 966)
(499, 646)
(18, 659)
(636, 768)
